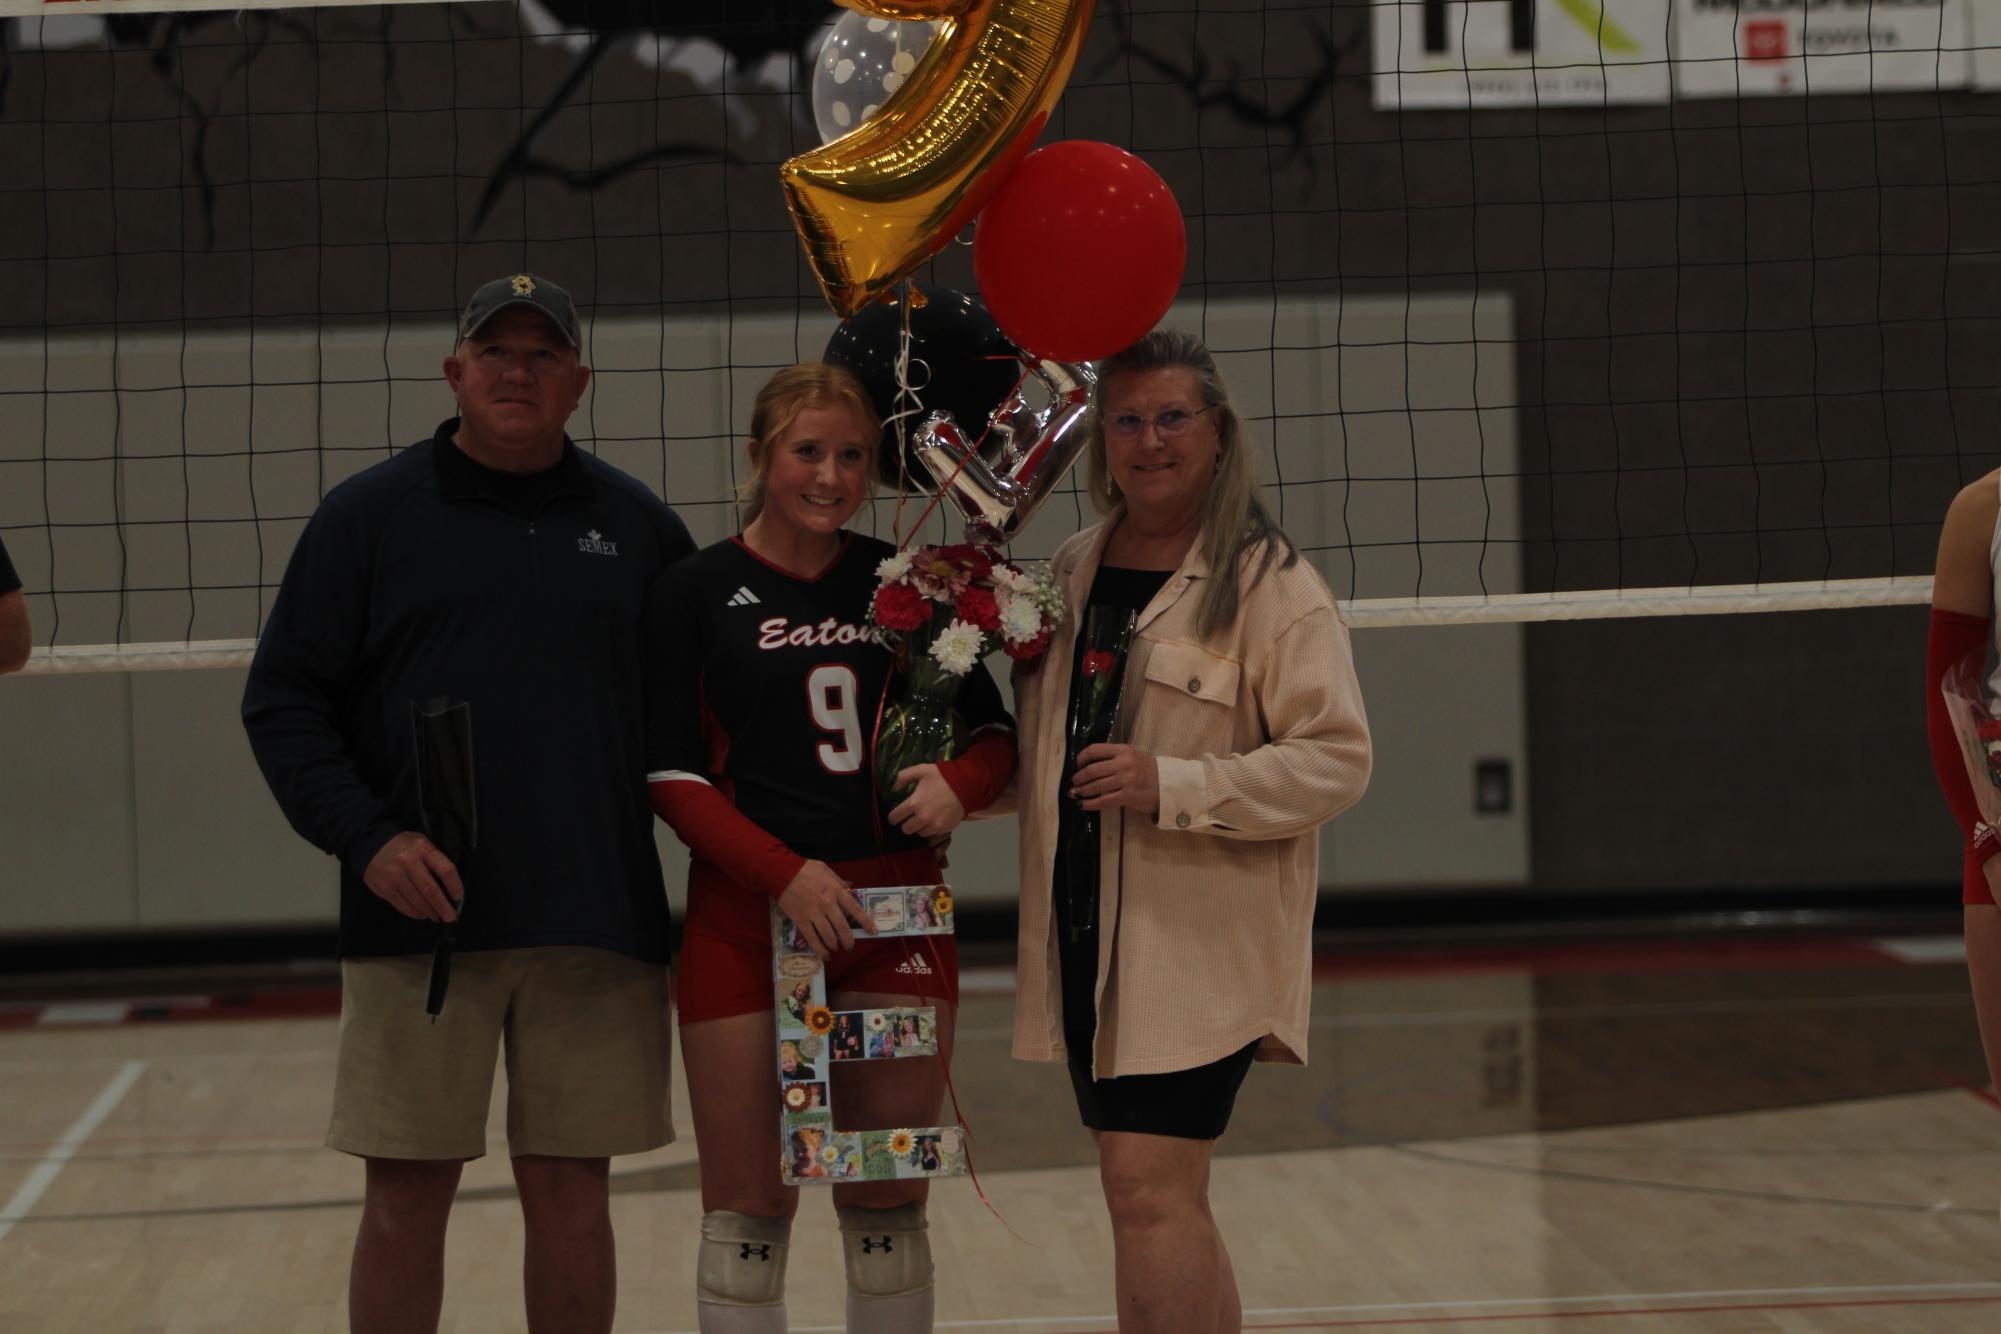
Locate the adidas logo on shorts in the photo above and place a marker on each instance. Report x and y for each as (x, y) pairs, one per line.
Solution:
(915, 967)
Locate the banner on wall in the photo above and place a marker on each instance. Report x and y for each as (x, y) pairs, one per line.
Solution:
(1731, 48)
(1518, 53)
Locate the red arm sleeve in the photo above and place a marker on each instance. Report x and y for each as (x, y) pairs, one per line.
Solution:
(1953, 636)
(718, 833)
(978, 777)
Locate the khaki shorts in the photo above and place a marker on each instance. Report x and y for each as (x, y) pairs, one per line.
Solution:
(588, 1039)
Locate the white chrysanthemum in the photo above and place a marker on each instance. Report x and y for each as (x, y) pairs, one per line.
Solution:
(1020, 619)
(957, 647)
(1014, 581)
(893, 568)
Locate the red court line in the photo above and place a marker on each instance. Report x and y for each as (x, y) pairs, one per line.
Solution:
(291, 1003)
(1328, 966)
(1607, 957)
(1985, 1095)
(1386, 1322)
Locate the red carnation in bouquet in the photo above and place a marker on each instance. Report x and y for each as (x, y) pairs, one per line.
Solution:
(901, 607)
(1027, 650)
(978, 606)
(940, 610)
(977, 564)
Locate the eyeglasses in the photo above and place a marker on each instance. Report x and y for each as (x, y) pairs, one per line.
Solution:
(1169, 425)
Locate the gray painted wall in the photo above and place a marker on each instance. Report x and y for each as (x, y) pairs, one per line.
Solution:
(1751, 340)
(152, 813)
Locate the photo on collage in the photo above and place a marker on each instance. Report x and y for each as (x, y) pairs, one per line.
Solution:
(793, 998)
(805, 1137)
(791, 939)
(794, 1064)
(889, 909)
(804, 1097)
(841, 1155)
(878, 1156)
(881, 1028)
(848, 1041)
(908, 1153)
(912, 1033)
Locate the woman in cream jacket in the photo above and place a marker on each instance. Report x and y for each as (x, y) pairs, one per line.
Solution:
(1186, 953)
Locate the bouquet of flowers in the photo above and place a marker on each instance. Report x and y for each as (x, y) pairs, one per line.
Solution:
(940, 609)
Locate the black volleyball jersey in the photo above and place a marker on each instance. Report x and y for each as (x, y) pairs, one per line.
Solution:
(768, 686)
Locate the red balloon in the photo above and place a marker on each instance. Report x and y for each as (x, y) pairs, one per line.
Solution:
(1081, 252)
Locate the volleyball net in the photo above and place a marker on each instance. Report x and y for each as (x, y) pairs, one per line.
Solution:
(1536, 310)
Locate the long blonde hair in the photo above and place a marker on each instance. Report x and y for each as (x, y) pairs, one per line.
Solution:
(789, 392)
(1235, 519)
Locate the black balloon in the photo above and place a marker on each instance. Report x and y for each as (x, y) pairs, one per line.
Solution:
(960, 362)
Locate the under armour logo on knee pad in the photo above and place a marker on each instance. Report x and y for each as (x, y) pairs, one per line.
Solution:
(870, 1245)
(763, 1252)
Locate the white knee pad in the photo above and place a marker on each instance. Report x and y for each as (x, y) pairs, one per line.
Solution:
(742, 1260)
(888, 1250)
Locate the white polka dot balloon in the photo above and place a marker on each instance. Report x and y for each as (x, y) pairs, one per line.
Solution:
(862, 62)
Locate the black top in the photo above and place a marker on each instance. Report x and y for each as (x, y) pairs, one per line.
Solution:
(1077, 958)
(429, 575)
(9, 581)
(769, 686)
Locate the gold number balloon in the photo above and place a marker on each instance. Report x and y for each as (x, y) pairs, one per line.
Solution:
(872, 205)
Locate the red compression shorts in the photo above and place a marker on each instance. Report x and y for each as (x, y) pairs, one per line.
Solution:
(725, 963)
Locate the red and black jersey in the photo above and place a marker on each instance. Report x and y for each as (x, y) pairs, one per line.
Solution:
(766, 687)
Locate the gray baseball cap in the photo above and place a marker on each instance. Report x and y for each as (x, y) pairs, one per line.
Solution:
(521, 289)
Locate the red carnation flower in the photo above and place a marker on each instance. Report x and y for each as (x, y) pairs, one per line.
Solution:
(901, 607)
(977, 564)
(1028, 650)
(977, 606)
(1097, 662)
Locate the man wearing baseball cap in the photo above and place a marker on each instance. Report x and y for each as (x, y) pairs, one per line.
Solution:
(498, 567)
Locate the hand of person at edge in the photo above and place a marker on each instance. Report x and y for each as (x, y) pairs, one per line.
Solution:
(414, 878)
(822, 906)
(1115, 775)
(932, 810)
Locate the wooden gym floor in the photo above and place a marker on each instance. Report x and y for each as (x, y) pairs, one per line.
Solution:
(1780, 1134)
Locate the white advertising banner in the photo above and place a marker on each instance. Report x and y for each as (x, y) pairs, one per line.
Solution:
(1517, 53)
(1730, 48)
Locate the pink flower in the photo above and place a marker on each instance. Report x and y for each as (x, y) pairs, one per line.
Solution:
(901, 607)
(977, 606)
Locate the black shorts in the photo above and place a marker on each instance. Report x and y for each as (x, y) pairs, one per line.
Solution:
(1186, 1104)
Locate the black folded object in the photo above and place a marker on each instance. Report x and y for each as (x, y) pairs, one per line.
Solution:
(1106, 641)
(442, 730)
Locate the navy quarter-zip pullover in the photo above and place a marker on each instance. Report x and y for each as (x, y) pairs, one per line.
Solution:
(430, 575)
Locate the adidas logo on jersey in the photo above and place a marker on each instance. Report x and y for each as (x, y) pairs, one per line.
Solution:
(743, 597)
(915, 967)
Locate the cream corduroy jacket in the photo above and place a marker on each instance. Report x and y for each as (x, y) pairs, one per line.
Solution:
(1205, 915)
